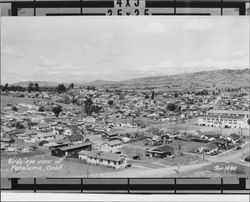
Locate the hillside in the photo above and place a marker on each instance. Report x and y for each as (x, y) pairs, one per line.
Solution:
(225, 78)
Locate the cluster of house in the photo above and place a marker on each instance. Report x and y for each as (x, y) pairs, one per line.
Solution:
(107, 155)
(133, 103)
(236, 101)
(219, 143)
(26, 129)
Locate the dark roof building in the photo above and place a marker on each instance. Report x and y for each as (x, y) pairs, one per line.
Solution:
(161, 151)
(71, 149)
(234, 136)
(212, 134)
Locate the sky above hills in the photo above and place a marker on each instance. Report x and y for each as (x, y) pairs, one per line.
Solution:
(81, 49)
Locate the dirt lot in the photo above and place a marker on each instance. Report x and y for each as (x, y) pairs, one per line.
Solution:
(15, 100)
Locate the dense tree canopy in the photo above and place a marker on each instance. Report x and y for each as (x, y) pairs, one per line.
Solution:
(30, 87)
(56, 110)
(90, 107)
(61, 88)
(36, 88)
(172, 107)
(71, 86)
(110, 102)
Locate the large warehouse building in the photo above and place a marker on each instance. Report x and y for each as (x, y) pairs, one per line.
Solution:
(225, 119)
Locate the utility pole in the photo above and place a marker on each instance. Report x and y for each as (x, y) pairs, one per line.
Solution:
(241, 137)
(179, 158)
(203, 150)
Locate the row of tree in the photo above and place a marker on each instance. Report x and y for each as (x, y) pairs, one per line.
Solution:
(34, 87)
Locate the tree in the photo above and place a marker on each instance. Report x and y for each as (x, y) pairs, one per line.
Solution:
(16, 88)
(74, 101)
(36, 87)
(96, 109)
(61, 88)
(172, 107)
(5, 88)
(153, 95)
(19, 125)
(88, 103)
(71, 86)
(91, 88)
(30, 87)
(110, 102)
(56, 110)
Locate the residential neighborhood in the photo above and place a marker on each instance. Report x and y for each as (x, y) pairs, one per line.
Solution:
(125, 97)
(124, 130)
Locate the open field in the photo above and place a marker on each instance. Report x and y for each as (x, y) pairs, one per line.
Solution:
(15, 100)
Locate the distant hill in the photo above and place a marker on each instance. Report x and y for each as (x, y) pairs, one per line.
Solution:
(100, 82)
(225, 78)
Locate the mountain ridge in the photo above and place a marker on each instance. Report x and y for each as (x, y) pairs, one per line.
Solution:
(203, 79)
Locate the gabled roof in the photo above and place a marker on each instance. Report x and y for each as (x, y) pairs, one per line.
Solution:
(113, 142)
(163, 149)
(75, 146)
(105, 155)
(43, 125)
(228, 112)
(211, 134)
(15, 131)
(234, 136)
(221, 141)
(73, 138)
(211, 146)
(74, 128)
(111, 133)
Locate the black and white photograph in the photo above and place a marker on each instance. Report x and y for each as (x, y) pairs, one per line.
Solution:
(125, 96)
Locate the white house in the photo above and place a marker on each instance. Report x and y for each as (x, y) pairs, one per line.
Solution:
(111, 146)
(45, 136)
(106, 159)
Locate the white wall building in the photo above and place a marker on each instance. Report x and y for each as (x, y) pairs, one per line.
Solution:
(224, 119)
(111, 146)
(106, 159)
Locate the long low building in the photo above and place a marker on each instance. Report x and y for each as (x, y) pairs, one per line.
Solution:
(106, 159)
(71, 149)
(161, 151)
(225, 119)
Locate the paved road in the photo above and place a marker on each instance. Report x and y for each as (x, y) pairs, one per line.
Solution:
(160, 172)
(233, 155)
(228, 156)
